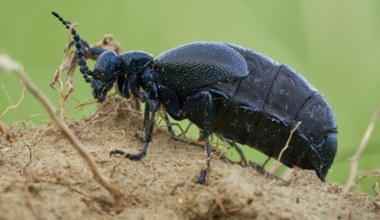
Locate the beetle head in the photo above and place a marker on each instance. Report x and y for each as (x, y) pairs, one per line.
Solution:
(105, 70)
(104, 75)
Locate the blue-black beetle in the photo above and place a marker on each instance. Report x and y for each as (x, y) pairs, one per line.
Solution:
(223, 88)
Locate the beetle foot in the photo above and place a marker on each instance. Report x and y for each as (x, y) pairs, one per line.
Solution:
(118, 152)
(138, 156)
(202, 177)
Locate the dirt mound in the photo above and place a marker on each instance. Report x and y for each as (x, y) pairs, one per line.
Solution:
(43, 177)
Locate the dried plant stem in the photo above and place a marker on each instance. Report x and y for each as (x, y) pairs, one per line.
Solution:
(12, 106)
(117, 195)
(2, 128)
(66, 63)
(278, 164)
(288, 141)
(354, 162)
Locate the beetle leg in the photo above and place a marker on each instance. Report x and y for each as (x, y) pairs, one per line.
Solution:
(146, 123)
(139, 138)
(168, 124)
(123, 86)
(206, 127)
(170, 98)
(152, 107)
(134, 88)
(178, 111)
(202, 177)
(146, 115)
(243, 159)
(183, 131)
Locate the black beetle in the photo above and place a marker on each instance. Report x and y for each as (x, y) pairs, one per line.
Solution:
(223, 88)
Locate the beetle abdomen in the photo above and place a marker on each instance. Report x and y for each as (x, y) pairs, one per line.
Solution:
(266, 106)
(185, 67)
(278, 90)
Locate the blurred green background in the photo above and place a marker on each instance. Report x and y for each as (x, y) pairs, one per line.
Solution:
(334, 44)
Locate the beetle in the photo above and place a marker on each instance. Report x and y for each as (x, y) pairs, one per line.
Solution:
(225, 89)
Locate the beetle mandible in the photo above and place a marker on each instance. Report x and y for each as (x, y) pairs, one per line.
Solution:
(226, 89)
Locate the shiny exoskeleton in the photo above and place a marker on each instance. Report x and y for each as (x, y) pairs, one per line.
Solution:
(225, 89)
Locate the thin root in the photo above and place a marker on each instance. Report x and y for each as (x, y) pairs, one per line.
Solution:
(354, 162)
(276, 166)
(13, 106)
(116, 193)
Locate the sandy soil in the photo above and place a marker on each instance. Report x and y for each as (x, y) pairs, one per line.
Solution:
(43, 177)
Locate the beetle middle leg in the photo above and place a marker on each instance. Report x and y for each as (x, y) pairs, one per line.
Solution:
(206, 133)
(201, 100)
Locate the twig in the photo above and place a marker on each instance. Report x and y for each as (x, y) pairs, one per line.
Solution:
(117, 195)
(116, 166)
(273, 168)
(2, 128)
(368, 174)
(66, 63)
(288, 141)
(354, 162)
(14, 105)
(70, 75)
(30, 159)
(376, 200)
(243, 160)
(277, 165)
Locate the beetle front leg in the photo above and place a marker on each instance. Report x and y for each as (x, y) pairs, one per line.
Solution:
(152, 106)
(146, 123)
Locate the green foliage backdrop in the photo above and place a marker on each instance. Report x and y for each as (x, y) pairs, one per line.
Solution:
(334, 44)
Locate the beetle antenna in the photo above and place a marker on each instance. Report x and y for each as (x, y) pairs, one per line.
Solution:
(86, 72)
